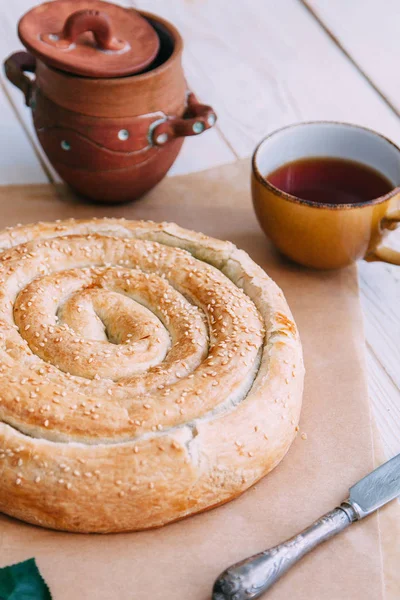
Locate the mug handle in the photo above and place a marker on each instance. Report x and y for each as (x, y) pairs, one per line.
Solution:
(385, 253)
(16, 66)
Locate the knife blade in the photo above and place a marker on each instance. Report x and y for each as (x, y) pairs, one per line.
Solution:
(377, 488)
(251, 577)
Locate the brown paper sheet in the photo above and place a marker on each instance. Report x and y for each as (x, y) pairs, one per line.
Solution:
(181, 561)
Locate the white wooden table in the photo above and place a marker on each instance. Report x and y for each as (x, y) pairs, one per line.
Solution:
(263, 64)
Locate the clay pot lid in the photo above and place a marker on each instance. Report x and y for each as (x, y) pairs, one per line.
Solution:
(89, 37)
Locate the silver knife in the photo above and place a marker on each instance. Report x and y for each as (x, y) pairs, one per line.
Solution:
(253, 576)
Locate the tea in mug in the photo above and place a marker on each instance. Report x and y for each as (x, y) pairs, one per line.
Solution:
(329, 180)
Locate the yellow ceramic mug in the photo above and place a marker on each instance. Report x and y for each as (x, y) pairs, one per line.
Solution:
(327, 236)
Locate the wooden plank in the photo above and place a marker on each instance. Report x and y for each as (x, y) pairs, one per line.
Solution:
(19, 162)
(369, 31)
(10, 43)
(263, 64)
(384, 397)
(354, 25)
(381, 302)
(206, 151)
(202, 152)
(380, 299)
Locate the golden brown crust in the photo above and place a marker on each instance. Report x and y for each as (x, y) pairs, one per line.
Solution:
(147, 372)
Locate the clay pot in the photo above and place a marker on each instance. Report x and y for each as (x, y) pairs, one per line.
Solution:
(110, 138)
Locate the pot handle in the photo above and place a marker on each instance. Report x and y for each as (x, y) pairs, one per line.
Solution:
(197, 118)
(15, 67)
(81, 21)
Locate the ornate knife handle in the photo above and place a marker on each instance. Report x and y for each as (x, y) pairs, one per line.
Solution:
(253, 576)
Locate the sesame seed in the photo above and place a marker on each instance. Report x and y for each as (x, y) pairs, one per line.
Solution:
(18, 481)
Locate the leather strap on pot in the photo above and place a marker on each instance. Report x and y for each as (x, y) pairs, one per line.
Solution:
(15, 68)
(197, 118)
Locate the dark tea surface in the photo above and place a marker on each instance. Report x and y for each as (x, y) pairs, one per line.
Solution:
(330, 180)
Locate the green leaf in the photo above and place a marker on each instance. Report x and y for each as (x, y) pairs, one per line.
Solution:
(23, 581)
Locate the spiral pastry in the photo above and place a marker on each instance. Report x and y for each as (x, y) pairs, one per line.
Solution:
(147, 372)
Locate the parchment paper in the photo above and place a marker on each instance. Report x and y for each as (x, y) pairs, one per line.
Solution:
(181, 561)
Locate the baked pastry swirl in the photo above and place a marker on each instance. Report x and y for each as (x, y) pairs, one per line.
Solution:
(147, 372)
